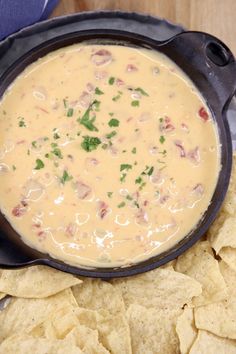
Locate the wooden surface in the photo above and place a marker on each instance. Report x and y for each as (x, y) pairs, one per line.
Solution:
(217, 17)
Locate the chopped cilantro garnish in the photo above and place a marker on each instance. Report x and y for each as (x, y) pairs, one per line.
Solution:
(57, 152)
(139, 89)
(86, 121)
(96, 105)
(53, 145)
(111, 80)
(104, 146)
(111, 114)
(128, 197)
(90, 143)
(122, 178)
(121, 205)
(21, 122)
(142, 185)
(65, 103)
(138, 180)
(134, 150)
(65, 177)
(47, 156)
(109, 194)
(34, 144)
(116, 98)
(56, 136)
(13, 167)
(160, 120)
(110, 135)
(150, 172)
(136, 204)
(135, 103)
(70, 112)
(114, 122)
(39, 164)
(28, 152)
(45, 138)
(125, 166)
(98, 91)
(162, 139)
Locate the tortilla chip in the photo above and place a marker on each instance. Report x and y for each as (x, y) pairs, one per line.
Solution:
(153, 330)
(35, 282)
(114, 333)
(97, 294)
(208, 343)
(87, 340)
(186, 330)
(2, 295)
(170, 265)
(160, 288)
(225, 236)
(228, 255)
(23, 343)
(22, 315)
(199, 263)
(220, 317)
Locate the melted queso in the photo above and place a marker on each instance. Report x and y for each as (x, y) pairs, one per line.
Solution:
(108, 155)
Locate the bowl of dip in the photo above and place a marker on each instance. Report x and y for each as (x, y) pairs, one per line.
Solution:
(115, 149)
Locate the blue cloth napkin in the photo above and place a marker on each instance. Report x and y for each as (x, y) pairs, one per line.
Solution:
(16, 14)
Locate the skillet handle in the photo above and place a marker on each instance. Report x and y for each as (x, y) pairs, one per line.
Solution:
(208, 61)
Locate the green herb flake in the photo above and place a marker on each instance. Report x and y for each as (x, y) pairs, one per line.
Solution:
(134, 150)
(56, 136)
(111, 114)
(122, 178)
(135, 103)
(104, 146)
(121, 205)
(114, 122)
(86, 120)
(116, 98)
(142, 185)
(70, 112)
(57, 152)
(65, 102)
(128, 197)
(65, 177)
(150, 171)
(111, 80)
(139, 89)
(39, 164)
(162, 139)
(34, 144)
(90, 143)
(98, 91)
(125, 166)
(138, 180)
(109, 194)
(45, 138)
(136, 204)
(110, 135)
(13, 167)
(21, 122)
(47, 156)
(28, 152)
(161, 120)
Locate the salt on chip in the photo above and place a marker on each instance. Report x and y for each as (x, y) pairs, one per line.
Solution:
(186, 330)
(228, 255)
(22, 315)
(160, 288)
(96, 294)
(199, 263)
(208, 343)
(153, 330)
(35, 282)
(23, 343)
(225, 236)
(220, 317)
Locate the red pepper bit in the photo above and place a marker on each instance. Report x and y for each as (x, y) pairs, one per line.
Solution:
(203, 114)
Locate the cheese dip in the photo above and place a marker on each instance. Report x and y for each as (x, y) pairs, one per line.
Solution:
(108, 155)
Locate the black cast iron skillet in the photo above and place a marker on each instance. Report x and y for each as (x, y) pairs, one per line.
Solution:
(212, 68)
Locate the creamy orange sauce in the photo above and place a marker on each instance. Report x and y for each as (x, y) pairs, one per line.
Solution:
(108, 155)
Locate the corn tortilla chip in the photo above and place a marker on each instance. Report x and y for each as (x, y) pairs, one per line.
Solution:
(97, 294)
(160, 288)
(199, 263)
(22, 315)
(23, 344)
(228, 255)
(208, 343)
(225, 236)
(35, 282)
(2, 295)
(220, 317)
(186, 330)
(153, 330)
